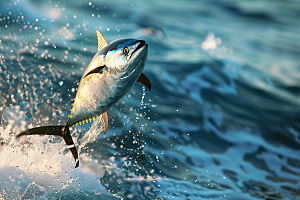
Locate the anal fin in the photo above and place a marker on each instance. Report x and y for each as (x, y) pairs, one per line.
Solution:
(144, 80)
(105, 120)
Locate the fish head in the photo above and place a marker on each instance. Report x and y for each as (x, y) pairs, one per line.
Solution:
(126, 56)
(120, 58)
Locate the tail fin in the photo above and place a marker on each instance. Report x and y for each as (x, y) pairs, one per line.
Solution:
(61, 131)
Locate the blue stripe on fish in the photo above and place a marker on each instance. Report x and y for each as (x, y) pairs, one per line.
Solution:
(129, 42)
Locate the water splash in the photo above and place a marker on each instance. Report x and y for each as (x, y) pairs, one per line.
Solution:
(93, 133)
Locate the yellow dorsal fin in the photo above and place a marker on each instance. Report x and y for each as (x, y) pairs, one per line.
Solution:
(102, 42)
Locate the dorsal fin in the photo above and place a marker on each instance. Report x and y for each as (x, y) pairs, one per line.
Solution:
(102, 42)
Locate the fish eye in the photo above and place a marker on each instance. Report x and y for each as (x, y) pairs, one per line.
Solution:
(125, 51)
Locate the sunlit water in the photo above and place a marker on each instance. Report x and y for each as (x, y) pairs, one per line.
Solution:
(221, 121)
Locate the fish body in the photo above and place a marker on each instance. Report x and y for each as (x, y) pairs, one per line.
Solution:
(115, 76)
(109, 76)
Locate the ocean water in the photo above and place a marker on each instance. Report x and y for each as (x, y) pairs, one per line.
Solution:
(222, 120)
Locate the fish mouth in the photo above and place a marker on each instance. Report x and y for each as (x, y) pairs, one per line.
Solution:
(142, 43)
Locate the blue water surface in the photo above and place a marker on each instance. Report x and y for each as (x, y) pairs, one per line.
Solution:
(221, 121)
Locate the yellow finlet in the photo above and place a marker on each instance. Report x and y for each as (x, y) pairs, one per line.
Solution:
(71, 110)
(102, 42)
(77, 124)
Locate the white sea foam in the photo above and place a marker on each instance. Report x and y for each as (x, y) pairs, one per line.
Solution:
(47, 166)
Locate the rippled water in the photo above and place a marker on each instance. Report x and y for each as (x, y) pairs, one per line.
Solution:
(221, 121)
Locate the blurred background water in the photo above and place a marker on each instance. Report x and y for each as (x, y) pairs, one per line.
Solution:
(221, 121)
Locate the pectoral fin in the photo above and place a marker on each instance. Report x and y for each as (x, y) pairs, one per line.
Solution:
(96, 70)
(144, 80)
(105, 120)
(102, 42)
